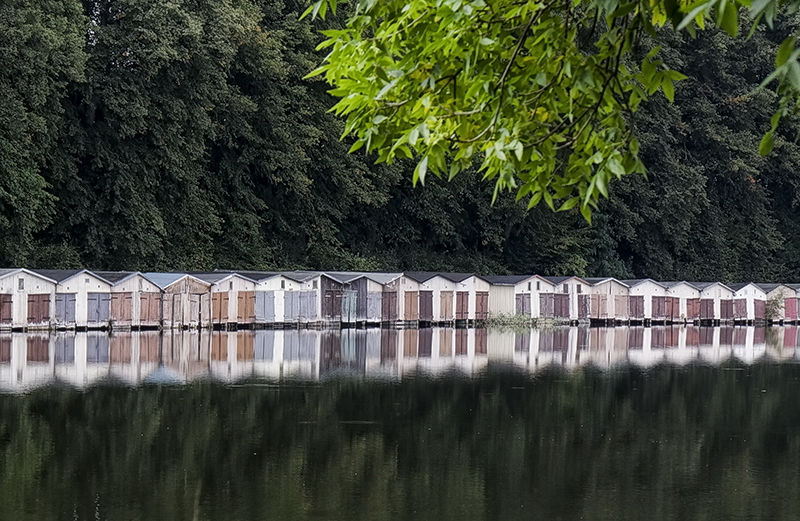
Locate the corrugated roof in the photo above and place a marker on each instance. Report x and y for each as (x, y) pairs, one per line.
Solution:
(57, 275)
(507, 280)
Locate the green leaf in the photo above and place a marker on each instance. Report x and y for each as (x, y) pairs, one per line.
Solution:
(784, 51)
(669, 88)
(420, 171)
(767, 144)
(569, 203)
(730, 19)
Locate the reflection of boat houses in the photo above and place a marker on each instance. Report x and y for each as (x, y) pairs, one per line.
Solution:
(26, 299)
(648, 301)
(82, 299)
(783, 301)
(184, 300)
(605, 301)
(745, 298)
(563, 302)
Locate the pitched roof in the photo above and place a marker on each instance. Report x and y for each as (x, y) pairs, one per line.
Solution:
(114, 276)
(594, 281)
(635, 282)
(507, 280)
(739, 285)
(164, 280)
(559, 280)
(704, 285)
(672, 283)
(420, 276)
(766, 288)
(57, 275)
(455, 277)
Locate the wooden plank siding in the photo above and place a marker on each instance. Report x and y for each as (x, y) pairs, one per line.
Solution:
(122, 308)
(462, 305)
(481, 305)
(426, 306)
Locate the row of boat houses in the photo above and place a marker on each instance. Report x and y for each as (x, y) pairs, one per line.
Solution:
(33, 299)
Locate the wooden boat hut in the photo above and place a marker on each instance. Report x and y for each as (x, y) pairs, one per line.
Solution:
(186, 300)
(745, 296)
(796, 294)
(437, 293)
(369, 288)
(688, 299)
(270, 300)
(716, 301)
(303, 305)
(785, 299)
(400, 301)
(511, 294)
(135, 300)
(27, 299)
(647, 300)
(233, 300)
(606, 299)
(344, 301)
(82, 299)
(472, 296)
(565, 297)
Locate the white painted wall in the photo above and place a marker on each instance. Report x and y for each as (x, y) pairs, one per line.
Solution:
(81, 284)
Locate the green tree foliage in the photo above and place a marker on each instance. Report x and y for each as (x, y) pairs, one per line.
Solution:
(41, 50)
(182, 135)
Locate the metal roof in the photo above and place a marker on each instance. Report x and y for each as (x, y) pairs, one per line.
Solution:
(507, 280)
(739, 285)
(213, 277)
(384, 278)
(559, 280)
(257, 276)
(301, 275)
(344, 277)
(704, 285)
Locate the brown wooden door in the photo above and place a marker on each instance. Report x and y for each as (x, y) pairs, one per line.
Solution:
(692, 308)
(219, 308)
(389, 306)
(246, 307)
(411, 302)
(561, 305)
(446, 311)
(707, 309)
(462, 305)
(332, 304)
(121, 307)
(38, 308)
(481, 305)
(546, 305)
(585, 306)
(5, 309)
(426, 306)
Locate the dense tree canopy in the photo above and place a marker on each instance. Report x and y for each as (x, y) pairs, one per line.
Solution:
(182, 135)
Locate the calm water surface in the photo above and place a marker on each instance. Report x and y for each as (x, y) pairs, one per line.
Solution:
(656, 423)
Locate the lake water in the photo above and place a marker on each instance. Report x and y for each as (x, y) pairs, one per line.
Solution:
(572, 423)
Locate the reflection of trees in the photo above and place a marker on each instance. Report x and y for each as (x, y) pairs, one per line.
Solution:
(676, 443)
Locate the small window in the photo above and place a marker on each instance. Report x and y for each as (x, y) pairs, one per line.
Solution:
(565, 288)
(86, 280)
(21, 284)
(230, 286)
(538, 285)
(529, 286)
(314, 285)
(283, 284)
(579, 288)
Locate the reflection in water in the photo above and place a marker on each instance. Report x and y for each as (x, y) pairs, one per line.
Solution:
(31, 360)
